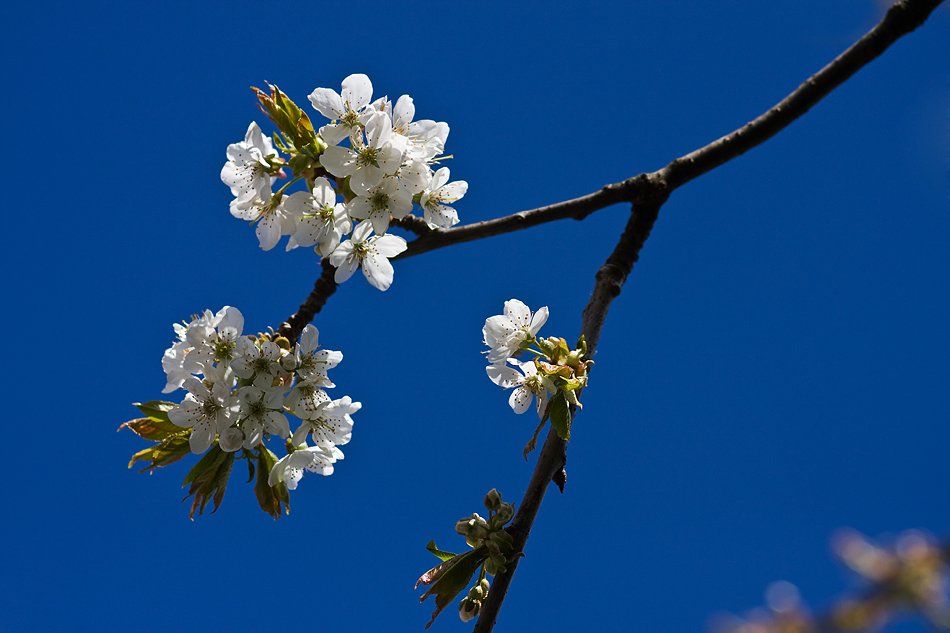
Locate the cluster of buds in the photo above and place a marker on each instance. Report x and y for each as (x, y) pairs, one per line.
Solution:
(490, 534)
(489, 555)
(912, 573)
(470, 606)
(553, 378)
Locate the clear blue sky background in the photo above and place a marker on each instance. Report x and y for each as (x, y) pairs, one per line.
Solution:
(775, 369)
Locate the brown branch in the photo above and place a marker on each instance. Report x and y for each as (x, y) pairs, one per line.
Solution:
(322, 289)
(553, 457)
(902, 18)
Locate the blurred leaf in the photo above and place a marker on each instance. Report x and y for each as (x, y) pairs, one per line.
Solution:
(166, 452)
(450, 578)
(443, 556)
(561, 416)
(209, 479)
(156, 409)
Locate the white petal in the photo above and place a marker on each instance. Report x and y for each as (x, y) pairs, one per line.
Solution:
(327, 102)
(378, 270)
(339, 161)
(358, 91)
(520, 399)
(390, 245)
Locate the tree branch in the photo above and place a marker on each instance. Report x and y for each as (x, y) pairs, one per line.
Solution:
(553, 457)
(902, 18)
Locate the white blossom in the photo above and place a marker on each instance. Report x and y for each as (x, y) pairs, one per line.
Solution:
(529, 383)
(367, 162)
(505, 333)
(346, 107)
(246, 172)
(436, 195)
(372, 253)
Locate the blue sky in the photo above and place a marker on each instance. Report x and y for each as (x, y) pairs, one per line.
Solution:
(774, 370)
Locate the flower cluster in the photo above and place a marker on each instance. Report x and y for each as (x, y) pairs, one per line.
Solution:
(551, 379)
(491, 553)
(240, 388)
(389, 163)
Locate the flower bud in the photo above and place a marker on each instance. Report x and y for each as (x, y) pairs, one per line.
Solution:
(493, 500)
(282, 342)
(490, 567)
(468, 609)
(504, 513)
(484, 584)
(476, 593)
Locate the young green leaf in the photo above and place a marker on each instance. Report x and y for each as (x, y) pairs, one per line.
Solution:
(443, 556)
(561, 416)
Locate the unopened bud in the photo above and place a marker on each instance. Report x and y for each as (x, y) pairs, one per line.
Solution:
(282, 342)
(476, 593)
(490, 567)
(504, 513)
(493, 500)
(484, 584)
(468, 609)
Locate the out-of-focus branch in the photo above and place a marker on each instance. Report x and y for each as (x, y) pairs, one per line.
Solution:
(902, 18)
(909, 576)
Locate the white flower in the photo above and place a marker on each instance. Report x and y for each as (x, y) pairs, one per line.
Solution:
(505, 333)
(366, 163)
(308, 361)
(332, 426)
(306, 399)
(206, 410)
(379, 203)
(319, 218)
(273, 220)
(246, 171)
(528, 384)
(207, 339)
(372, 253)
(437, 194)
(345, 108)
(261, 408)
(289, 469)
(255, 358)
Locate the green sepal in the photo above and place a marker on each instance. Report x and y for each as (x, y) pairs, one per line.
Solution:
(209, 479)
(560, 416)
(166, 452)
(249, 458)
(269, 497)
(450, 578)
(443, 556)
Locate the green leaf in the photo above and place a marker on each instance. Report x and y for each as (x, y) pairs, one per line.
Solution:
(210, 482)
(561, 416)
(443, 556)
(156, 409)
(151, 429)
(450, 578)
(166, 452)
(269, 497)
